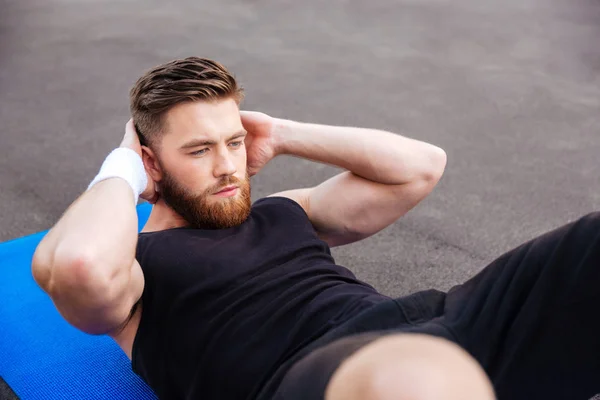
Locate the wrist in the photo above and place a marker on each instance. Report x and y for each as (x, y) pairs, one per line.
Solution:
(283, 135)
(137, 149)
(124, 163)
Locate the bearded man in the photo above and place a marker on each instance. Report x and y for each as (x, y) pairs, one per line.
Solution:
(219, 298)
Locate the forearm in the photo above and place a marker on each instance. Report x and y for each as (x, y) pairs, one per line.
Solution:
(95, 238)
(375, 155)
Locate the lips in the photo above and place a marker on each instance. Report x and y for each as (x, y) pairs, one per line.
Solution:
(226, 189)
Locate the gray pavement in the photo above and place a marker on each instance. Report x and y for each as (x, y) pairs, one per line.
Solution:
(510, 89)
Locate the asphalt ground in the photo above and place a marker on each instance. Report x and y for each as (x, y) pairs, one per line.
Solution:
(510, 89)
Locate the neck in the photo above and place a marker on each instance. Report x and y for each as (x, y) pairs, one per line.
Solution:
(163, 217)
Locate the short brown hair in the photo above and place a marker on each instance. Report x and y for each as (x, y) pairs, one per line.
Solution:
(178, 81)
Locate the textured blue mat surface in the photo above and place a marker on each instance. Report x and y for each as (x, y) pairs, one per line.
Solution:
(41, 355)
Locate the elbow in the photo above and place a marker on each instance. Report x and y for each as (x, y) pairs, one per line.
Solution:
(86, 293)
(436, 165)
(41, 266)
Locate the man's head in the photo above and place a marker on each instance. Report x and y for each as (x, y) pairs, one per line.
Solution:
(186, 113)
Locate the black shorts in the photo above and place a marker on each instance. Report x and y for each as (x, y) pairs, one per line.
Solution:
(531, 319)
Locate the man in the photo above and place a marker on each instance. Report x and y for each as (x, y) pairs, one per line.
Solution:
(218, 298)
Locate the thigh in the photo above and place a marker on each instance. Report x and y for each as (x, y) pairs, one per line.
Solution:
(531, 318)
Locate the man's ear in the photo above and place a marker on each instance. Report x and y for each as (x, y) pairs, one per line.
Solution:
(151, 164)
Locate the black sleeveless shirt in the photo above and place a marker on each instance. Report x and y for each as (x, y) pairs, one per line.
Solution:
(222, 309)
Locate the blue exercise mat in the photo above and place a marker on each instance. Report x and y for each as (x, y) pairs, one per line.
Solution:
(41, 355)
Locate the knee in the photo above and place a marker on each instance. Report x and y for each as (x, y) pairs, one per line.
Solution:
(416, 367)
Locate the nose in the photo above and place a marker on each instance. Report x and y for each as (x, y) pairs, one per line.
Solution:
(224, 165)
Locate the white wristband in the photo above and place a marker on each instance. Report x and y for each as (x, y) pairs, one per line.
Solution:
(126, 164)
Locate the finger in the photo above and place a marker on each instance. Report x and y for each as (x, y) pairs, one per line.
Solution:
(244, 117)
(130, 129)
(156, 195)
(154, 199)
(247, 116)
(150, 198)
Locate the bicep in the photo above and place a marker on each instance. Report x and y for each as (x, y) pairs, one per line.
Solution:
(348, 208)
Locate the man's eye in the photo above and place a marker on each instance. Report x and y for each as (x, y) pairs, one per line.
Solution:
(236, 144)
(199, 152)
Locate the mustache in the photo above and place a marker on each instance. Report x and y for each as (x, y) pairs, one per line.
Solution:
(226, 181)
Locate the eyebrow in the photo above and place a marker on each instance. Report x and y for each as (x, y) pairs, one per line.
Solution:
(205, 142)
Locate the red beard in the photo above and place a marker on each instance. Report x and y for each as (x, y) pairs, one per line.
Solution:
(199, 212)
